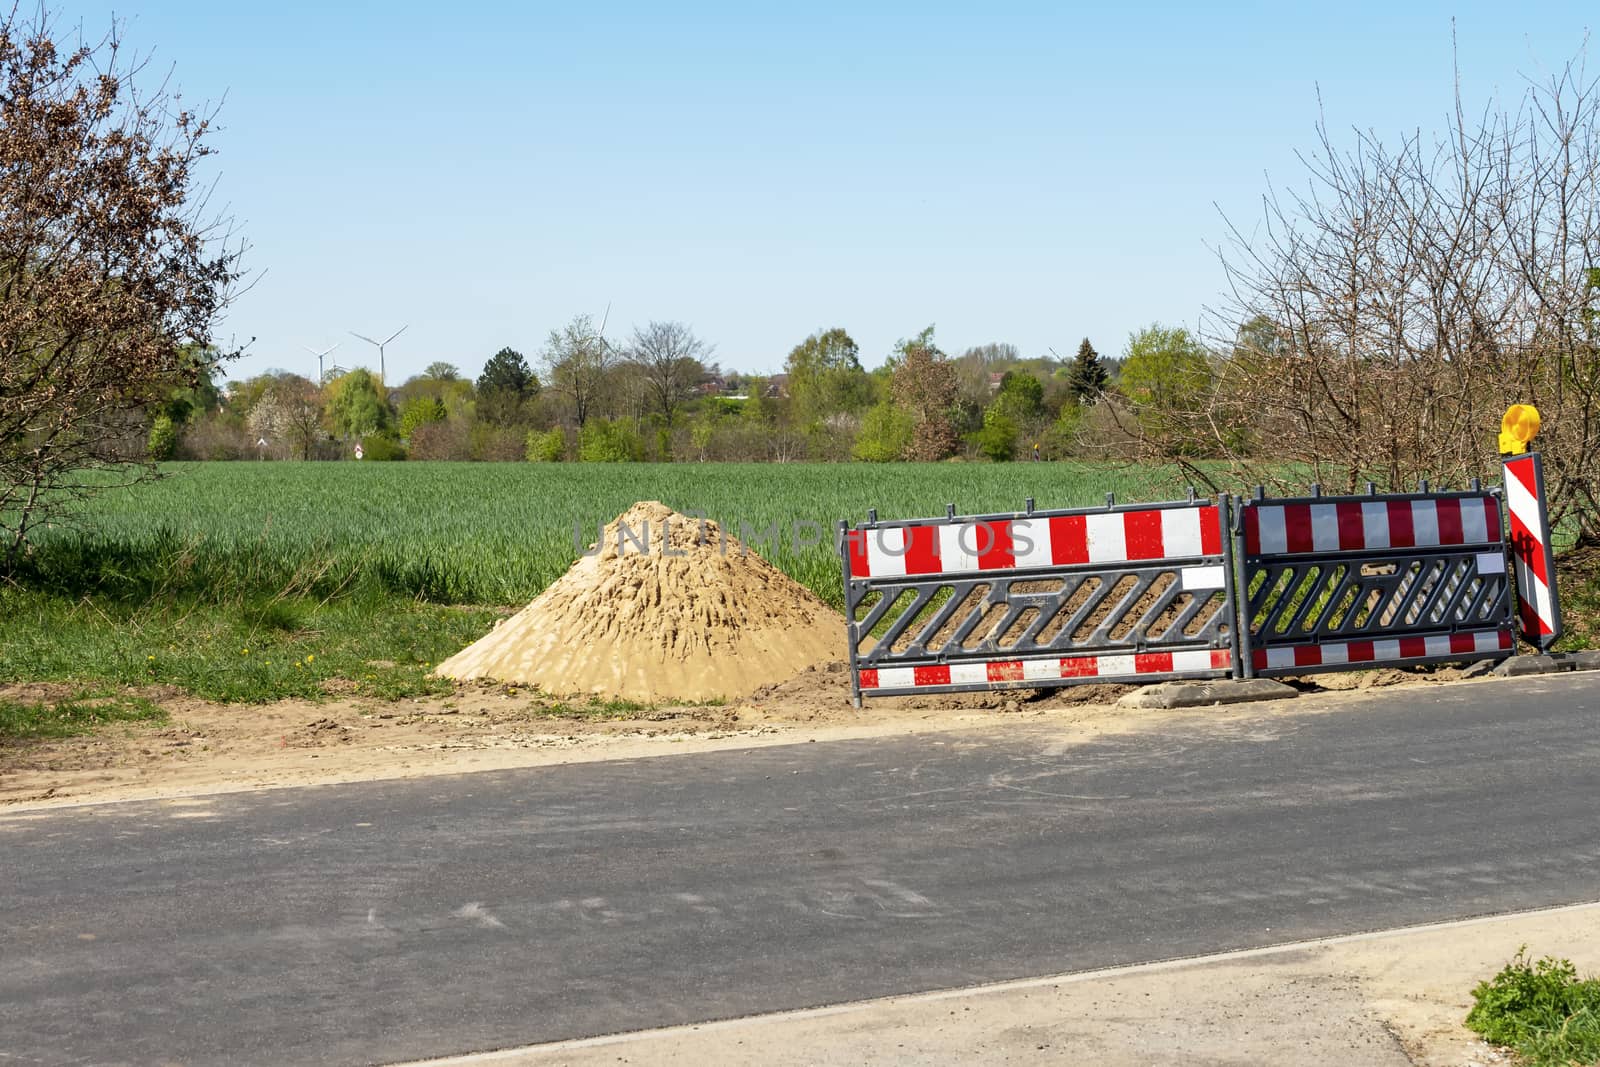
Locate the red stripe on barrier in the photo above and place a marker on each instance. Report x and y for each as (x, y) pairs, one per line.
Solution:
(1152, 662)
(1463, 643)
(1359, 652)
(1069, 539)
(1352, 527)
(1259, 658)
(859, 567)
(1400, 531)
(1080, 667)
(922, 550)
(995, 549)
(1449, 511)
(1211, 531)
(869, 678)
(1491, 518)
(1142, 535)
(1252, 530)
(1008, 670)
(1221, 658)
(1413, 647)
(938, 674)
(1505, 639)
(1308, 656)
(1297, 527)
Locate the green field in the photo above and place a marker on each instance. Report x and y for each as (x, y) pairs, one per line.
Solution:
(460, 533)
(250, 581)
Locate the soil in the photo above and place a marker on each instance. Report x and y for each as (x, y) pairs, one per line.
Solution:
(206, 747)
(682, 611)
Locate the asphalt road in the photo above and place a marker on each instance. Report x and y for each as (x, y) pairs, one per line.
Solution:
(395, 920)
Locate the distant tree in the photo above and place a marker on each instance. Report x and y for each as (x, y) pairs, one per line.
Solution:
(1165, 369)
(577, 363)
(925, 386)
(885, 434)
(1021, 396)
(669, 360)
(163, 440)
(1087, 377)
(442, 372)
(998, 438)
(355, 407)
(825, 376)
(113, 279)
(506, 385)
(995, 353)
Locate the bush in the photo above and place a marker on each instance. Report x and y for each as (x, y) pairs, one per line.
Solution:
(382, 448)
(603, 441)
(547, 447)
(1540, 1009)
(885, 434)
(998, 438)
(163, 439)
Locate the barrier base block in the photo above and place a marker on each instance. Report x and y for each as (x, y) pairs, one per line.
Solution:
(1207, 694)
(1523, 666)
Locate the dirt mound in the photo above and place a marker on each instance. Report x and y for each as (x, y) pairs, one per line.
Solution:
(668, 608)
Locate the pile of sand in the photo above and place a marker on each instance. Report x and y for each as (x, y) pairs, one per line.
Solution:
(693, 615)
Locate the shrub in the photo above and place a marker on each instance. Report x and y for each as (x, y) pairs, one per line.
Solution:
(382, 448)
(885, 434)
(547, 447)
(1540, 1009)
(603, 441)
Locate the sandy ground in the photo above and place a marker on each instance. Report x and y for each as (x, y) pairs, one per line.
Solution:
(1394, 998)
(206, 747)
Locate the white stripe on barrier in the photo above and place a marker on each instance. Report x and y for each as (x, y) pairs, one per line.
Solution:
(1475, 521)
(1424, 522)
(1036, 553)
(1194, 659)
(1203, 578)
(1375, 525)
(967, 674)
(1108, 538)
(1324, 528)
(1118, 665)
(896, 677)
(1274, 531)
(1034, 669)
(958, 547)
(1180, 532)
(886, 551)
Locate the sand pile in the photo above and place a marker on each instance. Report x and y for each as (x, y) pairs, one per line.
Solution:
(655, 625)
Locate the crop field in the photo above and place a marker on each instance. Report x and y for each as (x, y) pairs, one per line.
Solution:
(457, 533)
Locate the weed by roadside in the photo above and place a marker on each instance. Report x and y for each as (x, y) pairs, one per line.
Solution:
(78, 714)
(1542, 1010)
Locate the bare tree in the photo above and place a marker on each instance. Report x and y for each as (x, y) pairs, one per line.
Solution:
(111, 279)
(1393, 308)
(577, 362)
(671, 361)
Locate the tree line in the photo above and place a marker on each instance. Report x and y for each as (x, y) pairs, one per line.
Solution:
(659, 397)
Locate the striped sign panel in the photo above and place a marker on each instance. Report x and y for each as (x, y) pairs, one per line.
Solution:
(1039, 541)
(1359, 525)
(1047, 669)
(1531, 553)
(1388, 650)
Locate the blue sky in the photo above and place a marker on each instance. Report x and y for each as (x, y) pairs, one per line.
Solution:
(1010, 172)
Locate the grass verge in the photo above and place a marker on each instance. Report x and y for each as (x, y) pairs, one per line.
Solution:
(1541, 1010)
(78, 714)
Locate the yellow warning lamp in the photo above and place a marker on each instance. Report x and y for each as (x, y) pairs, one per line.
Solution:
(1519, 426)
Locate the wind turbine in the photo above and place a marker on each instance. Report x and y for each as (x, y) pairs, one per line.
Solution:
(382, 370)
(322, 374)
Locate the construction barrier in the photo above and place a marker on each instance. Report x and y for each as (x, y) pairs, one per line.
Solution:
(1039, 598)
(1532, 557)
(1337, 583)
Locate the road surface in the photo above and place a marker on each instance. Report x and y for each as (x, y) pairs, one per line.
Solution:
(395, 920)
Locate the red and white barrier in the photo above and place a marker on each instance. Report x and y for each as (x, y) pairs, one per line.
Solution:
(1532, 556)
(1390, 650)
(1045, 541)
(1353, 526)
(1126, 667)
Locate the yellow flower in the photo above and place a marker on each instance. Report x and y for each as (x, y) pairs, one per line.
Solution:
(149, 657)
(244, 651)
(310, 658)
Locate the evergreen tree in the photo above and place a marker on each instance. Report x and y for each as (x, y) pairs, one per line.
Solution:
(504, 387)
(1088, 378)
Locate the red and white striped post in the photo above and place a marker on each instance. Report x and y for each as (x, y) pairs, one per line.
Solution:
(1532, 556)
